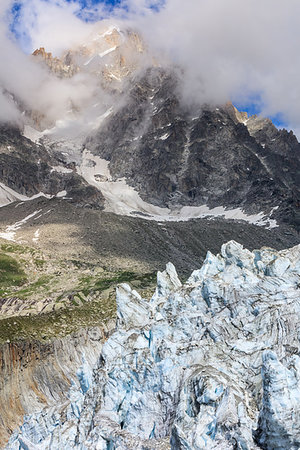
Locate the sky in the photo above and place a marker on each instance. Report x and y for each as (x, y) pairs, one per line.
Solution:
(246, 51)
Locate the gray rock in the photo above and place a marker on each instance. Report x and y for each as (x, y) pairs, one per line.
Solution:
(179, 156)
(27, 168)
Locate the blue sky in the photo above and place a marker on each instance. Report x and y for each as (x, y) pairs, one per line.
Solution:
(89, 3)
(255, 107)
(84, 4)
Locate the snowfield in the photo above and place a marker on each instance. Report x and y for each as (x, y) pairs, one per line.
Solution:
(124, 200)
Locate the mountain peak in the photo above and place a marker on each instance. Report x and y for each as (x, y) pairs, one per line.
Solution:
(61, 67)
(110, 54)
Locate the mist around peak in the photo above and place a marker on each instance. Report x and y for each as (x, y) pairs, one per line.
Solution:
(240, 51)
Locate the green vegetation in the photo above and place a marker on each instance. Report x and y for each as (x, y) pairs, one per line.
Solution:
(41, 285)
(11, 274)
(77, 313)
(91, 284)
(90, 303)
(39, 262)
(58, 323)
(58, 297)
(12, 248)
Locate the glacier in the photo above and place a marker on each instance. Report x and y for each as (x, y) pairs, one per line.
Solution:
(209, 364)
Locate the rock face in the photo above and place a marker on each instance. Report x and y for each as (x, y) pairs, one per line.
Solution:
(61, 67)
(29, 169)
(279, 152)
(210, 364)
(177, 157)
(109, 53)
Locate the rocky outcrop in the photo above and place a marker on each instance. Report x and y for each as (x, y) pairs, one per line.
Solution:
(210, 364)
(61, 67)
(279, 151)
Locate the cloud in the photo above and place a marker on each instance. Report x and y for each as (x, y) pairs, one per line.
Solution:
(24, 82)
(228, 49)
(234, 49)
(51, 24)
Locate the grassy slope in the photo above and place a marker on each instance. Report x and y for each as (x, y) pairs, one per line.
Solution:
(11, 274)
(79, 293)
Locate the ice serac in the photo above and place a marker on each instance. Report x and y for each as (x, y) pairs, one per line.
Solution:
(131, 312)
(167, 281)
(35, 374)
(209, 364)
(279, 421)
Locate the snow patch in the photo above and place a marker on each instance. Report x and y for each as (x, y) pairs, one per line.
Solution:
(89, 60)
(61, 194)
(98, 121)
(101, 55)
(110, 31)
(120, 198)
(164, 137)
(32, 134)
(8, 195)
(106, 52)
(61, 169)
(36, 235)
(10, 231)
(260, 219)
(115, 77)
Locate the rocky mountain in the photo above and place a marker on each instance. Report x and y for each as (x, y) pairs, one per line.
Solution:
(109, 53)
(210, 364)
(167, 157)
(28, 170)
(111, 191)
(208, 157)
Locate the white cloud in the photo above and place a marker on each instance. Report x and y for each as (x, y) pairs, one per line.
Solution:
(233, 49)
(30, 82)
(228, 49)
(51, 24)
